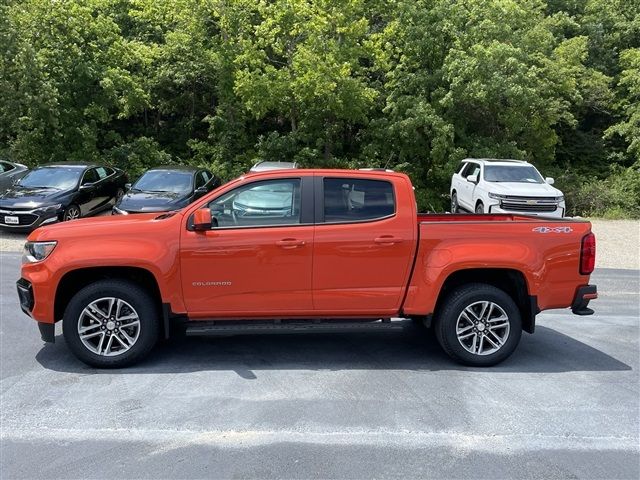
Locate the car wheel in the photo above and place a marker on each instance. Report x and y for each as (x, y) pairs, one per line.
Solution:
(480, 208)
(478, 325)
(72, 212)
(111, 324)
(454, 202)
(119, 195)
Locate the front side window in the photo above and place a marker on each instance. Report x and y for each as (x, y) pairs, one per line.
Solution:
(356, 200)
(91, 176)
(5, 167)
(201, 179)
(259, 204)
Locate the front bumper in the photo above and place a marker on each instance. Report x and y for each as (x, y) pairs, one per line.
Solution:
(27, 302)
(583, 296)
(559, 212)
(28, 220)
(25, 295)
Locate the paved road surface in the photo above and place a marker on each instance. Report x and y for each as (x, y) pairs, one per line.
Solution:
(349, 406)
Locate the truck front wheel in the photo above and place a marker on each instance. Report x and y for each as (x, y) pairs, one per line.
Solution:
(111, 324)
(478, 325)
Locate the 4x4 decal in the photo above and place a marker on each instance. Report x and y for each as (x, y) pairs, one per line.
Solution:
(553, 229)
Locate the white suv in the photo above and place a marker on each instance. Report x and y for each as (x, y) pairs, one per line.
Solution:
(504, 186)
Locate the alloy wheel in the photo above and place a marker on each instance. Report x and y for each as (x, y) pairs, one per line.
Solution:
(483, 328)
(109, 326)
(72, 213)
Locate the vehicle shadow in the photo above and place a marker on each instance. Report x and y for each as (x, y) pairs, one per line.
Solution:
(548, 351)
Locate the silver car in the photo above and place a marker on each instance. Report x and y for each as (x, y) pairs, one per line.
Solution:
(10, 173)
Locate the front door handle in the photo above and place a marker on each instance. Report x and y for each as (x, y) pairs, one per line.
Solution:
(290, 243)
(387, 240)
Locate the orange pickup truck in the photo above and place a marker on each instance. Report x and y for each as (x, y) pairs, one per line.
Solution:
(303, 251)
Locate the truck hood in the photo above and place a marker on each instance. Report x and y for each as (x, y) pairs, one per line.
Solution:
(128, 227)
(520, 189)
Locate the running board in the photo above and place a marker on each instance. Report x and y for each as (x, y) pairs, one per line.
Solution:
(249, 327)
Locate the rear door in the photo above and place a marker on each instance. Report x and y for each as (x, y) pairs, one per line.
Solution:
(105, 188)
(257, 260)
(86, 198)
(363, 247)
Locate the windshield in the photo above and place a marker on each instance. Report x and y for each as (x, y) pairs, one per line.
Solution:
(512, 173)
(60, 178)
(164, 181)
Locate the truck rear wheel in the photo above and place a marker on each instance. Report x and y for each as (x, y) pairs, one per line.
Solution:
(111, 324)
(478, 325)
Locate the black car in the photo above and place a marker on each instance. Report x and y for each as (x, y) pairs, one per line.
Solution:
(58, 192)
(166, 188)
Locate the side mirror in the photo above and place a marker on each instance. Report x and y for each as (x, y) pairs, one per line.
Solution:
(472, 178)
(87, 187)
(202, 220)
(201, 191)
(127, 186)
(549, 180)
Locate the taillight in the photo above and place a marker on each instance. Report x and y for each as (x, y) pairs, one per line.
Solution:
(588, 254)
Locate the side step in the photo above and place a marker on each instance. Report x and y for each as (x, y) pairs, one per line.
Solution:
(249, 327)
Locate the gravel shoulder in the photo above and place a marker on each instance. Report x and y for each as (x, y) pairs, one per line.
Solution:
(618, 243)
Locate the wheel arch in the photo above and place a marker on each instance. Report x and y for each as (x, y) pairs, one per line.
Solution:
(73, 281)
(511, 281)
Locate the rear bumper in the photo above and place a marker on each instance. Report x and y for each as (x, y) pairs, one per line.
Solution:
(584, 295)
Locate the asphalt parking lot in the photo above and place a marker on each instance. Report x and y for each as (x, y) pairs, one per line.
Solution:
(566, 404)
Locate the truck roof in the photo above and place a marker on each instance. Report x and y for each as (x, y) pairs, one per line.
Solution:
(326, 171)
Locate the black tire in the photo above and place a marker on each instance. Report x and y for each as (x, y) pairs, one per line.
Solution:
(480, 208)
(446, 323)
(119, 195)
(454, 203)
(72, 212)
(143, 305)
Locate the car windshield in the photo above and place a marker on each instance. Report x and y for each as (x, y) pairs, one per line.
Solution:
(512, 173)
(60, 178)
(164, 181)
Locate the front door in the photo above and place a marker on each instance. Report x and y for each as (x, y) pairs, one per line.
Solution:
(363, 247)
(257, 260)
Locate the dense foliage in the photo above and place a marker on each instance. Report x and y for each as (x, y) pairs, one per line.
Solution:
(413, 85)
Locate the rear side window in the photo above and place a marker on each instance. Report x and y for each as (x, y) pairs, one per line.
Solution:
(356, 200)
(102, 172)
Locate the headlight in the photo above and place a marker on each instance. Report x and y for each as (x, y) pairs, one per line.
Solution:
(560, 198)
(496, 196)
(48, 209)
(37, 251)
(119, 211)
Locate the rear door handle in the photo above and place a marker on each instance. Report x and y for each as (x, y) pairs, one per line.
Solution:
(387, 240)
(290, 243)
